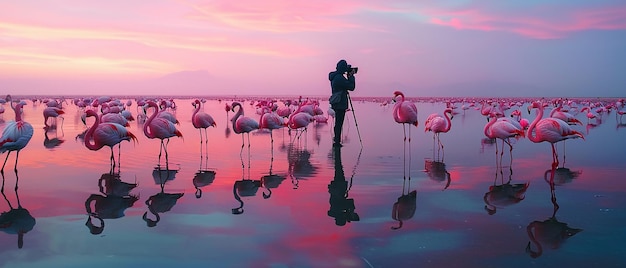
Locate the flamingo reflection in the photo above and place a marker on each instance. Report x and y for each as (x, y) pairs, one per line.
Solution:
(404, 208)
(160, 203)
(271, 180)
(111, 204)
(17, 220)
(436, 170)
(504, 194)
(300, 166)
(56, 141)
(550, 232)
(341, 207)
(245, 187)
(201, 179)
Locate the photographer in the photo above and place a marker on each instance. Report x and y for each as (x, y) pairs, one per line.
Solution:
(340, 85)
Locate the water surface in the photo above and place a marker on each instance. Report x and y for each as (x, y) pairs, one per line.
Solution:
(297, 210)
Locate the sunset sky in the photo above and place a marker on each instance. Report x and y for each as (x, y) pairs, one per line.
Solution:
(423, 48)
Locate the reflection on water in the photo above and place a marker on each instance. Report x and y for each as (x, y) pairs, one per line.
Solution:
(550, 233)
(313, 205)
(113, 200)
(17, 220)
(342, 208)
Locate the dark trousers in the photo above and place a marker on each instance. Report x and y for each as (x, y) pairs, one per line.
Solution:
(340, 115)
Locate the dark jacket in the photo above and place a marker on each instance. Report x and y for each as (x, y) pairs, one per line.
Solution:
(341, 84)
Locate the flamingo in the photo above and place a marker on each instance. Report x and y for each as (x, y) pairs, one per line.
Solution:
(565, 116)
(227, 107)
(53, 112)
(590, 115)
(271, 120)
(243, 124)
(503, 130)
(201, 121)
(114, 118)
(165, 114)
(551, 130)
(157, 127)
(437, 124)
(300, 119)
(16, 135)
(404, 112)
(106, 134)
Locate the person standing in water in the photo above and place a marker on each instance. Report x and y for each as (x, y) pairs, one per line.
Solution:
(340, 85)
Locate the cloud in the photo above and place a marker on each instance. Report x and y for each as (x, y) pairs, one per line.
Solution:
(548, 22)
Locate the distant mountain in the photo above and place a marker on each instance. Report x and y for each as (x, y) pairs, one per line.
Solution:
(490, 88)
(187, 80)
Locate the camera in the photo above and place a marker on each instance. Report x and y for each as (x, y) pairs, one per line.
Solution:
(354, 70)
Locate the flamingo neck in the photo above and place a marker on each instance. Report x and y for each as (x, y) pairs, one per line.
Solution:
(487, 129)
(18, 112)
(90, 143)
(533, 137)
(146, 130)
(539, 251)
(237, 114)
(448, 119)
(197, 109)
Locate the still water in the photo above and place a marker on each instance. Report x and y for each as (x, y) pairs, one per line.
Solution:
(296, 202)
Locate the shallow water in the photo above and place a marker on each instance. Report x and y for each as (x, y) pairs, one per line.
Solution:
(296, 205)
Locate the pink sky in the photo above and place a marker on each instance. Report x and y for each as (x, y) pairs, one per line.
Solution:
(429, 48)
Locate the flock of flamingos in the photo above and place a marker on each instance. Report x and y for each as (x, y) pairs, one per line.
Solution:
(109, 129)
(111, 116)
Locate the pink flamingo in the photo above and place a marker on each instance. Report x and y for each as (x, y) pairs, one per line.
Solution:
(53, 112)
(117, 118)
(551, 130)
(437, 124)
(300, 120)
(243, 124)
(227, 107)
(565, 116)
(517, 115)
(16, 135)
(201, 121)
(404, 112)
(503, 130)
(271, 120)
(590, 115)
(165, 114)
(106, 134)
(157, 127)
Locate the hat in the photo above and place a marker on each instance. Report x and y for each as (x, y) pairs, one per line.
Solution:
(342, 66)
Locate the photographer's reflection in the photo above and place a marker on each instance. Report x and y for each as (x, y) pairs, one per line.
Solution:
(341, 207)
(17, 220)
(111, 204)
(550, 232)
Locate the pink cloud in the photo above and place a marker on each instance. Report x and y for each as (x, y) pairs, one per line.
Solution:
(563, 23)
(276, 15)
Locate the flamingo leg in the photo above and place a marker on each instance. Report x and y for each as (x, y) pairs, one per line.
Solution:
(555, 156)
(112, 160)
(166, 154)
(5, 161)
